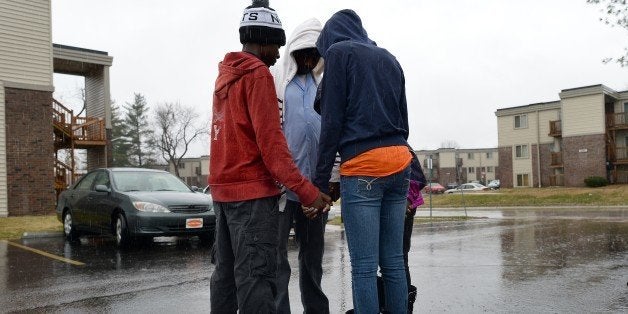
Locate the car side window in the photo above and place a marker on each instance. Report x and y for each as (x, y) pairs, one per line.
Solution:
(86, 182)
(102, 179)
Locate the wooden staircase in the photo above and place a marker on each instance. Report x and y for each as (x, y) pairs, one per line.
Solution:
(70, 133)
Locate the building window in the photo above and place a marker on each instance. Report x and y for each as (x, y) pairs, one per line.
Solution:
(482, 170)
(523, 180)
(181, 165)
(489, 155)
(489, 169)
(521, 151)
(470, 155)
(471, 170)
(521, 121)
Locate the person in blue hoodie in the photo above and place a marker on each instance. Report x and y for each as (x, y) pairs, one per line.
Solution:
(364, 117)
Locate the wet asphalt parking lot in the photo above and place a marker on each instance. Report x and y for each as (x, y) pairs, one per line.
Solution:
(523, 261)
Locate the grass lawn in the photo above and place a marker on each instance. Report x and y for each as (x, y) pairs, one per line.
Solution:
(615, 195)
(14, 227)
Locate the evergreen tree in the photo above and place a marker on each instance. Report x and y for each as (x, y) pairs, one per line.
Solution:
(119, 140)
(139, 134)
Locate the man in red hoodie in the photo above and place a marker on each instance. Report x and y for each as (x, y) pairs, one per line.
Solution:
(249, 158)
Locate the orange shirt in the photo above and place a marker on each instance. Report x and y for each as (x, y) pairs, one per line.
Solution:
(377, 162)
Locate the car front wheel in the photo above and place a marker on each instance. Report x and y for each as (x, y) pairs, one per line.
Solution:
(68, 227)
(121, 231)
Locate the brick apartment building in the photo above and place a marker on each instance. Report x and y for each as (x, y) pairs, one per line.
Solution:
(193, 171)
(451, 165)
(34, 127)
(560, 143)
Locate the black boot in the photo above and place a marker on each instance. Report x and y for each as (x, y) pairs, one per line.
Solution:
(411, 297)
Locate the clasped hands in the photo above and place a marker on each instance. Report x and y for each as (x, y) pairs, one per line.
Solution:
(323, 202)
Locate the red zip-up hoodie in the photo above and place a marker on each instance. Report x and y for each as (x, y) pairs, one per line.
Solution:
(249, 154)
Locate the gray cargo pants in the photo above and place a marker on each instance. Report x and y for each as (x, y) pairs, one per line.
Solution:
(310, 236)
(245, 257)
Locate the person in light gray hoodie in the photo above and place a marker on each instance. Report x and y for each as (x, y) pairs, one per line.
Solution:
(296, 81)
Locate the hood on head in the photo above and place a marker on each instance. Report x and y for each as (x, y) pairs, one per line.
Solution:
(342, 26)
(304, 36)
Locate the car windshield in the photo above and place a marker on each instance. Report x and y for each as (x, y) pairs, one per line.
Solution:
(129, 181)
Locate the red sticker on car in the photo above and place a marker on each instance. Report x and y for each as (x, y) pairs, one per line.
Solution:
(194, 223)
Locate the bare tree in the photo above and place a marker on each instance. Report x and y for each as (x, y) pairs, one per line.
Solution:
(177, 128)
(616, 14)
(449, 144)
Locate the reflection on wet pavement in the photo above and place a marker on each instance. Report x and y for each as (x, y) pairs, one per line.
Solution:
(524, 260)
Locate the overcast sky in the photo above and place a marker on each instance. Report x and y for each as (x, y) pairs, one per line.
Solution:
(463, 59)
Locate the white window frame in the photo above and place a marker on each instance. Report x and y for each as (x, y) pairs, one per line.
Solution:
(489, 169)
(522, 153)
(523, 121)
(470, 156)
(489, 155)
(471, 170)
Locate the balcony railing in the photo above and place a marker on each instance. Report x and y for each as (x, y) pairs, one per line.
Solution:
(556, 159)
(89, 129)
(555, 128)
(61, 116)
(617, 120)
(63, 175)
(621, 153)
(557, 180)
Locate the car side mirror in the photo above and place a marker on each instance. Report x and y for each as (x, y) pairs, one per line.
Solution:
(194, 188)
(102, 188)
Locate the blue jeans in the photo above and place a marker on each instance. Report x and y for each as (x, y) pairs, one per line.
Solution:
(373, 211)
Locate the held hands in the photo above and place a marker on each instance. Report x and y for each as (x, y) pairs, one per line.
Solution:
(320, 206)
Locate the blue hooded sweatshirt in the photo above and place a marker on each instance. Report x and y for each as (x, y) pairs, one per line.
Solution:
(363, 100)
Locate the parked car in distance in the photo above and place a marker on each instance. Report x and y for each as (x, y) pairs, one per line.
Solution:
(467, 187)
(451, 185)
(434, 187)
(135, 204)
(494, 184)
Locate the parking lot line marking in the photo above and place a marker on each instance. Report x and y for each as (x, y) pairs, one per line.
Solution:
(59, 258)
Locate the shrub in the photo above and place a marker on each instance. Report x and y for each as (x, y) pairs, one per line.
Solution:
(595, 182)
